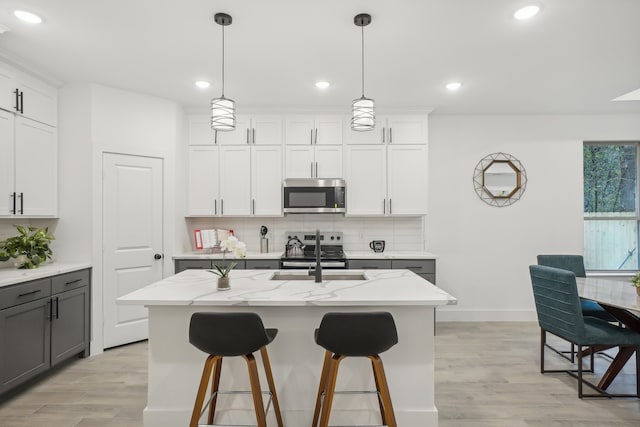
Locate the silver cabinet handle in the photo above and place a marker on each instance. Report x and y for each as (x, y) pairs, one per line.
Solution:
(248, 142)
(253, 135)
(253, 206)
(390, 135)
(222, 206)
(311, 169)
(384, 206)
(21, 197)
(311, 135)
(316, 141)
(215, 206)
(13, 198)
(215, 137)
(316, 169)
(390, 211)
(383, 136)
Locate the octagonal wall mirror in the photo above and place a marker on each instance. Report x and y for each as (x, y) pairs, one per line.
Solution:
(499, 179)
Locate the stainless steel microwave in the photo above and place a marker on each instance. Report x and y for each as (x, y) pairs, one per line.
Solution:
(314, 195)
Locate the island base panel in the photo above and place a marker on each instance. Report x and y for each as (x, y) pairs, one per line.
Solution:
(175, 367)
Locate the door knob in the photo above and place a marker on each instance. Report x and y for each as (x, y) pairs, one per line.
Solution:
(157, 256)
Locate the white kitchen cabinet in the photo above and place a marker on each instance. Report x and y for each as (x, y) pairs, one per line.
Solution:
(27, 96)
(29, 168)
(366, 179)
(313, 130)
(250, 130)
(386, 180)
(393, 129)
(313, 161)
(266, 180)
(203, 181)
(235, 180)
(407, 179)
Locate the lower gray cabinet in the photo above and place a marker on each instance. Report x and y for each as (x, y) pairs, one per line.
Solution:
(262, 264)
(425, 268)
(369, 264)
(42, 323)
(204, 264)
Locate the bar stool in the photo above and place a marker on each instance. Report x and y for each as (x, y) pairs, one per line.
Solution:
(232, 334)
(354, 335)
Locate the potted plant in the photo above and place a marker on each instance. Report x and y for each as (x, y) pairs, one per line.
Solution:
(30, 247)
(239, 249)
(635, 281)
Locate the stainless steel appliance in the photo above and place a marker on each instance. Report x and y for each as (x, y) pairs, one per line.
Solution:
(314, 195)
(300, 250)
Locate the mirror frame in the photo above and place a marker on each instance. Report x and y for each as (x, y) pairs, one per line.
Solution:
(479, 179)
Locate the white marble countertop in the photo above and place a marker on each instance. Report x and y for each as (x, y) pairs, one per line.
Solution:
(350, 255)
(12, 276)
(254, 288)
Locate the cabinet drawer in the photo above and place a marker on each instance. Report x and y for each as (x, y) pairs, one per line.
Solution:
(189, 264)
(369, 264)
(418, 266)
(262, 264)
(68, 281)
(24, 292)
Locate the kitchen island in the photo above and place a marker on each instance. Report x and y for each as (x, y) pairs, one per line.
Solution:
(295, 307)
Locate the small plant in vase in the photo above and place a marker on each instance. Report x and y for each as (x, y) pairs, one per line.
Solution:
(635, 281)
(239, 250)
(30, 247)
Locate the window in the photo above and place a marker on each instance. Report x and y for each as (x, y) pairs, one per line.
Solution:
(611, 205)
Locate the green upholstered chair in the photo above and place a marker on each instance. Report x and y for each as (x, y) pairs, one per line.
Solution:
(559, 312)
(575, 263)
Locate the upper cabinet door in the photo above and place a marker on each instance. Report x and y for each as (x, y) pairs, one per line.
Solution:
(203, 185)
(200, 132)
(36, 152)
(366, 176)
(240, 136)
(7, 89)
(6, 164)
(266, 130)
(299, 130)
(328, 130)
(39, 101)
(266, 180)
(410, 129)
(299, 162)
(407, 182)
(328, 162)
(235, 180)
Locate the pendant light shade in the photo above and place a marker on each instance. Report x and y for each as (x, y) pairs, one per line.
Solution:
(363, 111)
(223, 110)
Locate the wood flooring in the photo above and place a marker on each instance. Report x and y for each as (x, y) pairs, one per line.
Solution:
(487, 375)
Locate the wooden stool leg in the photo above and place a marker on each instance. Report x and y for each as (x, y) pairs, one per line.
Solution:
(215, 384)
(380, 403)
(202, 391)
(384, 391)
(256, 391)
(272, 386)
(322, 387)
(330, 389)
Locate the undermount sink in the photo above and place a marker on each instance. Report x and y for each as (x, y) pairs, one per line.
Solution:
(325, 276)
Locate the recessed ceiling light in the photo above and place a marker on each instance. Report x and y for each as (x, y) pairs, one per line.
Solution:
(202, 84)
(526, 12)
(322, 85)
(454, 85)
(28, 17)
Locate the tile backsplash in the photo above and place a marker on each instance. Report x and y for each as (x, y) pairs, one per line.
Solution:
(400, 234)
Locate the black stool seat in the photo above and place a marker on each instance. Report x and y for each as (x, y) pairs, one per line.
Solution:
(225, 335)
(229, 334)
(357, 334)
(354, 335)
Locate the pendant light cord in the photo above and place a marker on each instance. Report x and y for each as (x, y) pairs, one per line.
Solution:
(362, 31)
(222, 60)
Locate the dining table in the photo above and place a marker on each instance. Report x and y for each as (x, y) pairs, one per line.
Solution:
(618, 297)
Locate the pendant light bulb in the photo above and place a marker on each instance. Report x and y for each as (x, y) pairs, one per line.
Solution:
(363, 109)
(223, 110)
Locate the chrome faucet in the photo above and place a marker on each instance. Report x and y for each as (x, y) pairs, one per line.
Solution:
(317, 273)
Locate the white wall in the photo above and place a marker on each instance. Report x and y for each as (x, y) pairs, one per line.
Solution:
(485, 251)
(96, 119)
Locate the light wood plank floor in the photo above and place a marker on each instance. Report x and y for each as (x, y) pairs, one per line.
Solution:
(486, 376)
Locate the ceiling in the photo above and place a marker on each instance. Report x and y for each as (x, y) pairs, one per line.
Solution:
(573, 58)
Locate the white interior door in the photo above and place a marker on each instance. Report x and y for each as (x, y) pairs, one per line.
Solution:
(132, 240)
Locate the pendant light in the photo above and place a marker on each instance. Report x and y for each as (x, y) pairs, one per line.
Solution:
(364, 117)
(223, 110)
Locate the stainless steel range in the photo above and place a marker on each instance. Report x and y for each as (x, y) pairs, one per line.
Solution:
(300, 250)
